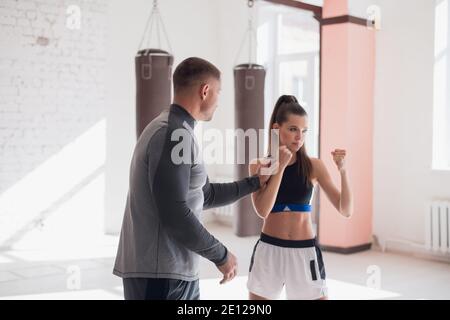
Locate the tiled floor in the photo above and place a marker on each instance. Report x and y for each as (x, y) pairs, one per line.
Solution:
(85, 273)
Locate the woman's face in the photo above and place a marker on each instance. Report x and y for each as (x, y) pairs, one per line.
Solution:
(293, 132)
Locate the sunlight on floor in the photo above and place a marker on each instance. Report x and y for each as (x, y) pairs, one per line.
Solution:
(97, 294)
(54, 190)
(338, 290)
(211, 290)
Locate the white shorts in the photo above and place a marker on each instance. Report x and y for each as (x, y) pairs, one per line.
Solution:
(296, 264)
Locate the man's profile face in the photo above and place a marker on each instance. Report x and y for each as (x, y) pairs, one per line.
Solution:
(211, 93)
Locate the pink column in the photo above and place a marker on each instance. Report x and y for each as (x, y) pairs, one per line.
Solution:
(348, 63)
(334, 8)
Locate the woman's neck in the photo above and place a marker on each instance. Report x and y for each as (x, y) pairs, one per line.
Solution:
(293, 159)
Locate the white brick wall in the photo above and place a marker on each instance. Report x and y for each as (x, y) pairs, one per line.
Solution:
(51, 80)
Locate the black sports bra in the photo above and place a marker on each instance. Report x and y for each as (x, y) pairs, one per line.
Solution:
(294, 193)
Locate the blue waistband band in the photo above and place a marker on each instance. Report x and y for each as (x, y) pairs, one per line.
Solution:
(281, 207)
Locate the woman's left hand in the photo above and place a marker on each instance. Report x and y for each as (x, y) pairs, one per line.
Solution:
(339, 158)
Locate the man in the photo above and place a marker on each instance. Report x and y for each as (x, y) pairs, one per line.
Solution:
(162, 238)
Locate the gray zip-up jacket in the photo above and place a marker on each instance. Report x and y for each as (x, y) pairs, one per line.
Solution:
(161, 235)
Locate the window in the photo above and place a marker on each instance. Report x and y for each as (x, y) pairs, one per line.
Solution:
(288, 46)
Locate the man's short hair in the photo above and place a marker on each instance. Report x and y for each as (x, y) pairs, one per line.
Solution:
(193, 71)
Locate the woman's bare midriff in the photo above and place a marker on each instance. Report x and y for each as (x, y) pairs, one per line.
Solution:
(289, 226)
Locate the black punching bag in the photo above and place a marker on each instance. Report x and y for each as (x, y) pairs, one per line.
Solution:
(249, 114)
(153, 85)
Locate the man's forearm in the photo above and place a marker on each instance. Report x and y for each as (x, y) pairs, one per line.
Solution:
(222, 194)
(181, 223)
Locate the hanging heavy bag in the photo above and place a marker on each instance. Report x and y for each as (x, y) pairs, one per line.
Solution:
(249, 81)
(153, 74)
(249, 114)
(153, 85)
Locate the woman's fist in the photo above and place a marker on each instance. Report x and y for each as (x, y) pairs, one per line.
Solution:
(284, 156)
(339, 158)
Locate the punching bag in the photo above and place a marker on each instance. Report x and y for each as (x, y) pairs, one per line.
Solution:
(249, 114)
(153, 85)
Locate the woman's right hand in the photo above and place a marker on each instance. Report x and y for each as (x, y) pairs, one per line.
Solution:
(284, 156)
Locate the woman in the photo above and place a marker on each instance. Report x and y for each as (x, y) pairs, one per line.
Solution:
(287, 252)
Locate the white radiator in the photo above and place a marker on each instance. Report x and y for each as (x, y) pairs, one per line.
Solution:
(222, 215)
(437, 226)
(226, 211)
